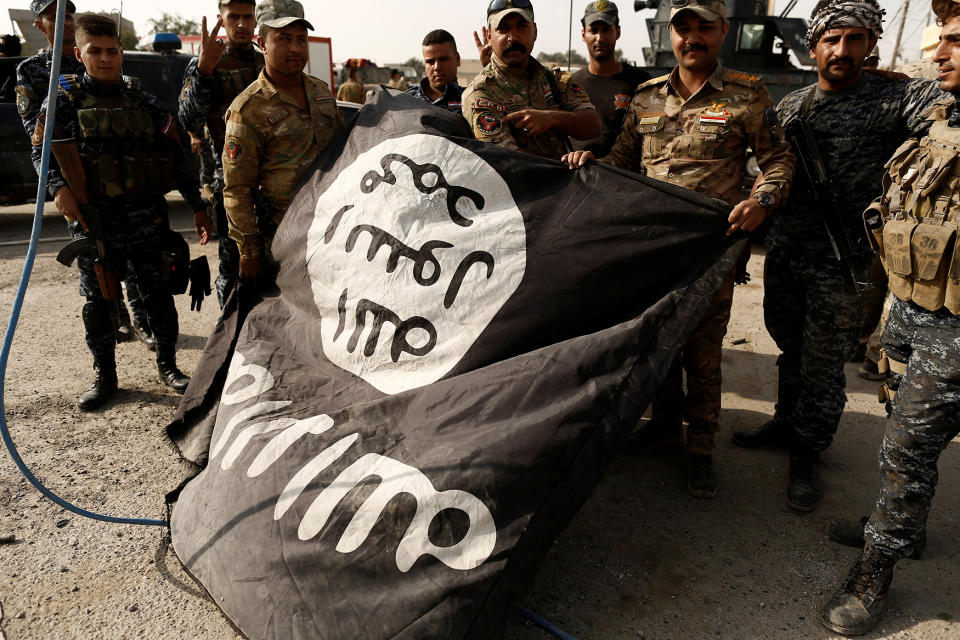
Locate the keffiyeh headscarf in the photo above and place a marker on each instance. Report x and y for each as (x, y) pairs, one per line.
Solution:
(846, 13)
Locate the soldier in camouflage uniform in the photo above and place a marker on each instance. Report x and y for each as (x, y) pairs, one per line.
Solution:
(811, 308)
(691, 128)
(518, 104)
(919, 213)
(131, 156)
(211, 82)
(276, 128)
(33, 80)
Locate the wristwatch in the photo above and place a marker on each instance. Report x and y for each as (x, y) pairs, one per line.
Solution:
(764, 198)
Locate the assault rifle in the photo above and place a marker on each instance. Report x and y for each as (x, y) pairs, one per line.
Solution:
(808, 153)
(67, 154)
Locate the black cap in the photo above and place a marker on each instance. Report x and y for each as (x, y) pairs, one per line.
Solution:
(39, 6)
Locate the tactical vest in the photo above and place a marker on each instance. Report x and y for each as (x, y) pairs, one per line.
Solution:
(121, 153)
(231, 77)
(920, 210)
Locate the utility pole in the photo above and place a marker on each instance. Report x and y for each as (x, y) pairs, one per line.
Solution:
(896, 44)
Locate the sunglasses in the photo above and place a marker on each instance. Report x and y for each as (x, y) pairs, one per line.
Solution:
(497, 5)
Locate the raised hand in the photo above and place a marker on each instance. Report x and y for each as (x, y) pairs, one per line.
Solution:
(484, 47)
(211, 49)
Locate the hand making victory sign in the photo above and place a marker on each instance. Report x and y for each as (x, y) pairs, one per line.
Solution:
(211, 49)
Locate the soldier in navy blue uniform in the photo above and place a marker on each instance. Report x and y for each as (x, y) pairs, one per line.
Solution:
(131, 155)
(212, 80)
(441, 60)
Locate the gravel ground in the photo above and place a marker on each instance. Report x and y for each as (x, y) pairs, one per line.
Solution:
(642, 559)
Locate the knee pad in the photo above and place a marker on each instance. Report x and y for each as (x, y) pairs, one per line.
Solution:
(96, 318)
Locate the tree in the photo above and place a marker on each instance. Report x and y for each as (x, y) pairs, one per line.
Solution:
(417, 64)
(561, 58)
(174, 23)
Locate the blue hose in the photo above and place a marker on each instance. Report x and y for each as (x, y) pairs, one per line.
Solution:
(22, 290)
(545, 624)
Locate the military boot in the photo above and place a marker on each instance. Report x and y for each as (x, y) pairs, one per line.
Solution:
(701, 476)
(170, 375)
(142, 330)
(104, 385)
(855, 607)
(850, 533)
(804, 490)
(775, 433)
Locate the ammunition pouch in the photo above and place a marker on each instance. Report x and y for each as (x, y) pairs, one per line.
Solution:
(121, 154)
(914, 226)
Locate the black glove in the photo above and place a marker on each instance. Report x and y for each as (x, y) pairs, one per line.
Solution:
(199, 281)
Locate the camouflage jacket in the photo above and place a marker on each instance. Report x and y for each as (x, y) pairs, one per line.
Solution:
(700, 143)
(33, 81)
(498, 91)
(204, 98)
(271, 143)
(351, 91)
(164, 132)
(857, 129)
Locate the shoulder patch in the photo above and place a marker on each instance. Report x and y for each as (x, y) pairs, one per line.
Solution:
(739, 77)
(654, 81)
(482, 104)
(488, 123)
(621, 100)
(25, 98)
(232, 149)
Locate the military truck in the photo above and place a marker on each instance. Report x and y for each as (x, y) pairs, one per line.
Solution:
(160, 74)
(758, 43)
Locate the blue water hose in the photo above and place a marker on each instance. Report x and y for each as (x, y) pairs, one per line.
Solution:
(25, 280)
(546, 625)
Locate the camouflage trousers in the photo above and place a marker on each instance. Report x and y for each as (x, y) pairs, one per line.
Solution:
(813, 313)
(925, 418)
(700, 358)
(133, 247)
(227, 249)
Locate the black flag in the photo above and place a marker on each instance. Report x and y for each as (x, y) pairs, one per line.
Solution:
(461, 339)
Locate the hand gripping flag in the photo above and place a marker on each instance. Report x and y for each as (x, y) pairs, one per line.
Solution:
(461, 338)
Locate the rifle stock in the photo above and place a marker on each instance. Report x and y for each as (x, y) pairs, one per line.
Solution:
(807, 150)
(67, 154)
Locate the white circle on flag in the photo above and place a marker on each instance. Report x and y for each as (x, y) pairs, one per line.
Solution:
(413, 249)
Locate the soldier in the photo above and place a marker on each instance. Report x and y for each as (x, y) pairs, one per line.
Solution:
(33, 80)
(397, 81)
(352, 90)
(276, 128)
(691, 128)
(440, 60)
(873, 59)
(811, 307)
(609, 82)
(922, 341)
(212, 80)
(515, 102)
(130, 153)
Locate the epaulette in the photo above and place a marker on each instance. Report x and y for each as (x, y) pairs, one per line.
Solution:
(941, 110)
(131, 83)
(654, 81)
(741, 78)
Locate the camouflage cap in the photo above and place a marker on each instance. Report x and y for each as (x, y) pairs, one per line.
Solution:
(280, 13)
(39, 6)
(601, 11)
(709, 10)
(500, 9)
(875, 53)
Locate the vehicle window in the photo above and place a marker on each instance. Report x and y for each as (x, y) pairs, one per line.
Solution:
(751, 37)
(154, 77)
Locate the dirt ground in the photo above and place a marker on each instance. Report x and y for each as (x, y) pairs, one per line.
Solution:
(642, 560)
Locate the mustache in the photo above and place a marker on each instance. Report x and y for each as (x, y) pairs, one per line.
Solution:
(516, 46)
(846, 59)
(694, 47)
